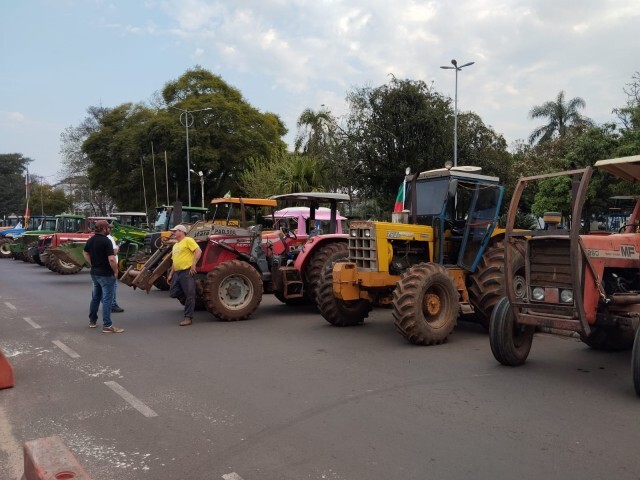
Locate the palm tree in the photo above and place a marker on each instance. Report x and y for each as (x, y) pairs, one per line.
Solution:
(314, 131)
(561, 115)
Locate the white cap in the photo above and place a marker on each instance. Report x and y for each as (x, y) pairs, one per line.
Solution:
(182, 228)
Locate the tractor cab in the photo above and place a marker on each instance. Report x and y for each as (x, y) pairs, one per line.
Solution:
(461, 205)
(168, 216)
(131, 219)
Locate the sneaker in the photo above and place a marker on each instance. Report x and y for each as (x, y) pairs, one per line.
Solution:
(92, 325)
(185, 322)
(112, 329)
(117, 309)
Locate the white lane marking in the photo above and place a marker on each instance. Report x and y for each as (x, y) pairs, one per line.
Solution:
(131, 400)
(11, 306)
(31, 322)
(232, 476)
(65, 349)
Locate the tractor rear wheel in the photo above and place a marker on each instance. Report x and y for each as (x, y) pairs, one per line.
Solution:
(487, 282)
(609, 339)
(635, 362)
(321, 263)
(425, 304)
(5, 251)
(510, 342)
(25, 255)
(233, 290)
(60, 266)
(338, 312)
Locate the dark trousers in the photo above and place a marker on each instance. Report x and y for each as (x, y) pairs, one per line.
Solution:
(183, 286)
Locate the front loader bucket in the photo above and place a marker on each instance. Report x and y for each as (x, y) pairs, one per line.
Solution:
(151, 271)
(146, 278)
(70, 253)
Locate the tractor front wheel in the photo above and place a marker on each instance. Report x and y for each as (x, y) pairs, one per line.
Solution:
(425, 304)
(635, 362)
(510, 342)
(233, 290)
(338, 312)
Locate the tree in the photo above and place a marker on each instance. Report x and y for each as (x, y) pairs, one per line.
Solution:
(288, 173)
(389, 128)
(224, 133)
(13, 167)
(315, 132)
(561, 117)
(46, 200)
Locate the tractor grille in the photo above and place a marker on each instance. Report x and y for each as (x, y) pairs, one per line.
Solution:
(363, 248)
(550, 264)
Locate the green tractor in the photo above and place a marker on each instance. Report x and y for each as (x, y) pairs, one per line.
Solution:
(129, 239)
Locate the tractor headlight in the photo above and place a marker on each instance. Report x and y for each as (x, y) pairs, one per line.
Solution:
(566, 296)
(353, 233)
(538, 294)
(367, 233)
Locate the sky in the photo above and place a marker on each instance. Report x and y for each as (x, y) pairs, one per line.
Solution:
(59, 57)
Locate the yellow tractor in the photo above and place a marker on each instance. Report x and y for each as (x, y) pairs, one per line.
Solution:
(442, 255)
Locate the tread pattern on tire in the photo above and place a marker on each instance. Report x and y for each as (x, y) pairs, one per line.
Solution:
(508, 349)
(409, 298)
(322, 260)
(336, 311)
(215, 277)
(487, 282)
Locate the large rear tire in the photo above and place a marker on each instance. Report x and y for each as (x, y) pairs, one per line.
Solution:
(320, 264)
(510, 342)
(26, 256)
(336, 311)
(60, 266)
(5, 251)
(425, 304)
(487, 282)
(610, 339)
(635, 362)
(233, 290)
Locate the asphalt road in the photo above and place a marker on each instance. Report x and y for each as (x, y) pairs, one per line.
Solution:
(285, 396)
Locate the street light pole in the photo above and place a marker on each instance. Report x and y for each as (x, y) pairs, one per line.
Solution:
(455, 112)
(188, 122)
(201, 175)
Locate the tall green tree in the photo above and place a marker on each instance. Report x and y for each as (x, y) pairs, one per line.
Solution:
(13, 167)
(315, 132)
(139, 152)
(561, 116)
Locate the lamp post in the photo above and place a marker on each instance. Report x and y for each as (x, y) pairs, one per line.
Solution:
(201, 175)
(186, 119)
(455, 114)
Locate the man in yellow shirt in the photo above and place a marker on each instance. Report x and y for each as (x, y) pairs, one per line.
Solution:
(184, 255)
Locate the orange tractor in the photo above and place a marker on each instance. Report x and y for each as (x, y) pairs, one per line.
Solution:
(584, 283)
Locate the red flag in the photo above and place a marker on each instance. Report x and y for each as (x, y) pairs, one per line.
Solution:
(399, 205)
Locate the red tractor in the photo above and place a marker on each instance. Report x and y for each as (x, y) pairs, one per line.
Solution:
(239, 262)
(584, 283)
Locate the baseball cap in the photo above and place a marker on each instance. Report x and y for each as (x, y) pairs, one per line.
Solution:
(182, 228)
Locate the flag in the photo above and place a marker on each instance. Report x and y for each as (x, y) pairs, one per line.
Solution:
(227, 195)
(27, 213)
(399, 206)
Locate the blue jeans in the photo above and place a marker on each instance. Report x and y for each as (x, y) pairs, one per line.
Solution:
(103, 289)
(183, 287)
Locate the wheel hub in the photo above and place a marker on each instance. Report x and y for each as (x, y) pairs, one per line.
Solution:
(235, 292)
(432, 304)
